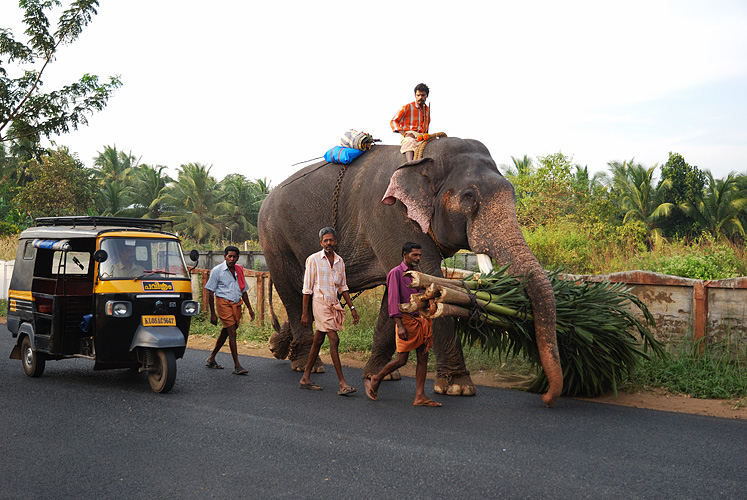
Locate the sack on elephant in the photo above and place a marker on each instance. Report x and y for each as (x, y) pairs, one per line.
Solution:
(357, 140)
(339, 154)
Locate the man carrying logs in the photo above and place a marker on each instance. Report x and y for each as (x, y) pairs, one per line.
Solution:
(414, 331)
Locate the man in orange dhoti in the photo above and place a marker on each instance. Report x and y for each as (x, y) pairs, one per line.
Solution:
(414, 332)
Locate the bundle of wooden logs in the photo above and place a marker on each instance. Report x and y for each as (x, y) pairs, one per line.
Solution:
(443, 297)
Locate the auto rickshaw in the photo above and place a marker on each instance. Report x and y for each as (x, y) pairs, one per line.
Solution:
(111, 289)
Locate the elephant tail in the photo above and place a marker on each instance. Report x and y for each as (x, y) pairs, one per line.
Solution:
(275, 322)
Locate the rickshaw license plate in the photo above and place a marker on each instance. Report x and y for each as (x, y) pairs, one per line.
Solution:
(159, 320)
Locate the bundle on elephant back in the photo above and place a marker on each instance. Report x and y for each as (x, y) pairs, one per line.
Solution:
(594, 329)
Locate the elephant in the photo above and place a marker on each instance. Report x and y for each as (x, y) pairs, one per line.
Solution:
(452, 198)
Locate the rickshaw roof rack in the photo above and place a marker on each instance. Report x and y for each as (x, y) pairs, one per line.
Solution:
(95, 221)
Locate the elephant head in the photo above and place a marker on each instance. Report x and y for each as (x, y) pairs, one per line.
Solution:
(458, 196)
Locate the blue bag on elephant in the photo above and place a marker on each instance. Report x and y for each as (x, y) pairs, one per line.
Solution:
(339, 154)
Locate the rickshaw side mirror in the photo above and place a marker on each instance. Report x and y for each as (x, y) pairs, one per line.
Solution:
(100, 256)
(194, 255)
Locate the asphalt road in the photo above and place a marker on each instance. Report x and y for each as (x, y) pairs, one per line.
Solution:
(76, 433)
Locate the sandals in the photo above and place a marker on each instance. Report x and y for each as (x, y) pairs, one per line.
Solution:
(212, 364)
(240, 370)
(346, 391)
(311, 386)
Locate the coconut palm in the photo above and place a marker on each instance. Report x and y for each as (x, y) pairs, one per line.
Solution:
(147, 184)
(238, 194)
(260, 189)
(113, 168)
(639, 198)
(113, 198)
(196, 203)
(115, 165)
(719, 208)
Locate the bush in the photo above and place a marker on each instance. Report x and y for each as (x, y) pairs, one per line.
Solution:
(702, 259)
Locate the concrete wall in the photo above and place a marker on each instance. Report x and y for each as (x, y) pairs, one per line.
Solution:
(687, 309)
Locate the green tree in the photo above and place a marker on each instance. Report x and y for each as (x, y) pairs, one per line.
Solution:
(719, 207)
(519, 173)
(639, 199)
(239, 196)
(197, 203)
(546, 191)
(147, 186)
(61, 185)
(113, 169)
(686, 183)
(260, 189)
(115, 165)
(25, 111)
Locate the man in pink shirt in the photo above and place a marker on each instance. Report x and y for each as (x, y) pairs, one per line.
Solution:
(323, 279)
(414, 332)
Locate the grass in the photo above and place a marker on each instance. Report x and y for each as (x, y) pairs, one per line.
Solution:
(718, 373)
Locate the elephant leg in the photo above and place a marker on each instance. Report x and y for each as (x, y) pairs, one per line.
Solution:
(280, 341)
(383, 344)
(452, 376)
(293, 341)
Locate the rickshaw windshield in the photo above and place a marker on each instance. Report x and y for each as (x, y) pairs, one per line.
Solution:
(133, 258)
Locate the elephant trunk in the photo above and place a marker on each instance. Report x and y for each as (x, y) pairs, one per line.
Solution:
(496, 232)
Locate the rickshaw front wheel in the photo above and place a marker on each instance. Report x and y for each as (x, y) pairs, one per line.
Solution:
(33, 362)
(162, 374)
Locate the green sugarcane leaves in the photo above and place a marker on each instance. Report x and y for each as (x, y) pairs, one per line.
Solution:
(595, 330)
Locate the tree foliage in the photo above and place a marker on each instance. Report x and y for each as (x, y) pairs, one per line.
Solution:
(61, 185)
(25, 111)
(718, 207)
(639, 199)
(196, 202)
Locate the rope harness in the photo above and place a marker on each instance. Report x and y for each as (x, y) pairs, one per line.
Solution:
(421, 147)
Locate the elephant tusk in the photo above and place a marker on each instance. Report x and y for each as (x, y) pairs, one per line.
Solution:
(485, 263)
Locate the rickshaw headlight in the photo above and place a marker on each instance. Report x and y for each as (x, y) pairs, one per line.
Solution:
(190, 307)
(118, 309)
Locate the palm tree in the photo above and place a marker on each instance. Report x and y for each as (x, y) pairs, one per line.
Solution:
(147, 184)
(196, 203)
(113, 169)
(639, 198)
(115, 165)
(238, 194)
(718, 209)
(113, 198)
(260, 189)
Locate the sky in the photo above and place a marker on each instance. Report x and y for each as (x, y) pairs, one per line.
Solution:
(254, 87)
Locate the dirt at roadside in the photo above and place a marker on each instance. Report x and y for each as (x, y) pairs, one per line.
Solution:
(654, 400)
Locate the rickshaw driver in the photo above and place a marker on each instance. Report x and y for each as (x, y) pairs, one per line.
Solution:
(126, 267)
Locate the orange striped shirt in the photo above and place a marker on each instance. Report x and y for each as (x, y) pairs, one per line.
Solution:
(411, 117)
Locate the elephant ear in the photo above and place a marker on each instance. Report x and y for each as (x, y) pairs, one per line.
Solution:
(412, 185)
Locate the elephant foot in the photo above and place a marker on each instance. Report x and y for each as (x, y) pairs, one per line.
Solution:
(460, 385)
(280, 342)
(299, 365)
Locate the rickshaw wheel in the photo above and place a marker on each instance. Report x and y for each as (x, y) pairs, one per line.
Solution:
(163, 376)
(33, 362)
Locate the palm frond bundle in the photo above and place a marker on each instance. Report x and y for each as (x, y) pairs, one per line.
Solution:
(595, 326)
